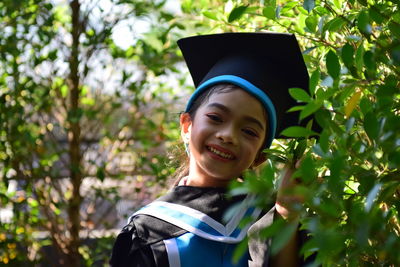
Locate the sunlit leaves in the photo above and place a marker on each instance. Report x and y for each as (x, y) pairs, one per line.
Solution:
(297, 131)
(269, 12)
(352, 103)
(359, 58)
(312, 23)
(314, 80)
(310, 108)
(334, 25)
(299, 94)
(210, 15)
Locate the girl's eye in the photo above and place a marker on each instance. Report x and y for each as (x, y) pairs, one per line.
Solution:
(214, 117)
(250, 132)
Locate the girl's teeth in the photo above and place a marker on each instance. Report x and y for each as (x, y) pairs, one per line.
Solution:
(219, 153)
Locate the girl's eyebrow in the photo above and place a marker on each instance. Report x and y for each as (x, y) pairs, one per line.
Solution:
(227, 110)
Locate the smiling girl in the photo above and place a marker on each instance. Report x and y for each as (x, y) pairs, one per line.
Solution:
(239, 106)
(225, 140)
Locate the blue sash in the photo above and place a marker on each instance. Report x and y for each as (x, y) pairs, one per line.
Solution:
(207, 242)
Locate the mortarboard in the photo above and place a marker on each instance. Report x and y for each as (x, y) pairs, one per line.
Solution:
(264, 64)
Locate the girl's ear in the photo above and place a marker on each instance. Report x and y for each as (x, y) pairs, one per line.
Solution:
(186, 123)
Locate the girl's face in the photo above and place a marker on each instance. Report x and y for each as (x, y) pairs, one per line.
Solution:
(224, 138)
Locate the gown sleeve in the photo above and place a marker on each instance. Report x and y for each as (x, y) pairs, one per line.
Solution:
(259, 248)
(140, 243)
(129, 250)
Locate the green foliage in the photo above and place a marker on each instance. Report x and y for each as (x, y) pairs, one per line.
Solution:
(236, 13)
(350, 172)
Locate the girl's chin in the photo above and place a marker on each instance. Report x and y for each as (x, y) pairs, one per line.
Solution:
(219, 177)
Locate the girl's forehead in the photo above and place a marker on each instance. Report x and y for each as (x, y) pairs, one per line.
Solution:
(237, 101)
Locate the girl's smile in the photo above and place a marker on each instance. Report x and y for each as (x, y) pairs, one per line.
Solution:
(225, 137)
(221, 153)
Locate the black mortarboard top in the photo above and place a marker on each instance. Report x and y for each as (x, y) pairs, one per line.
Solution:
(264, 64)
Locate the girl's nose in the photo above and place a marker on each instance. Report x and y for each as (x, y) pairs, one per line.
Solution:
(227, 135)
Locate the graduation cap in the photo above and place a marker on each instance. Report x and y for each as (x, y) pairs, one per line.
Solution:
(265, 65)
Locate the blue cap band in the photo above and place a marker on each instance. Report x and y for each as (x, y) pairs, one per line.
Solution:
(248, 87)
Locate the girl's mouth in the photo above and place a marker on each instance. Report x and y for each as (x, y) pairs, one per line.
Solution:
(220, 153)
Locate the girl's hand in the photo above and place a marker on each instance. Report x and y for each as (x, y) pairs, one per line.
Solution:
(288, 202)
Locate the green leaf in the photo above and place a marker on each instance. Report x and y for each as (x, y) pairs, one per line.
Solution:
(240, 250)
(335, 24)
(369, 61)
(363, 22)
(394, 158)
(154, 41)
(281, 239)
(323, 117)
(100, 173)
(332, 64)
(363, 2)
(299, 94)
(314, 80)
(269, 12)
(324, 141)
(338, 4)
(297, 131)
(310, 108)
(371, 125)
(236, 13)
(394, 28)
(352, 103)
(186, 6)
(88, 101)
(311, 23)
(270, 3)
(372, 196)
(309, 5)
(308, 50)
(301, 146)
(365, 105)
(308, 169)
(295, 108)
(348, 55)
(375, 14)
(33, 203)
(64, 90)
(309, 248)
(289, 6)
(359, 60)
(211, 15)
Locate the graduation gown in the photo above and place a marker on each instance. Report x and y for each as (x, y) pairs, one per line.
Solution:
(159, 234)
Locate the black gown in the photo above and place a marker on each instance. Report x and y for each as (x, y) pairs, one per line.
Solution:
(141, 242)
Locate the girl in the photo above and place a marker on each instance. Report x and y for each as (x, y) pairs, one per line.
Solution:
(238, 108)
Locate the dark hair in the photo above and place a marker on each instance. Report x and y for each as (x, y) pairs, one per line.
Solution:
(205, 96)
(178, 154)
